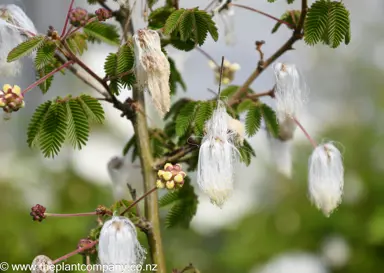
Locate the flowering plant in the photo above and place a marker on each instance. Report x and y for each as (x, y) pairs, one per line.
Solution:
(208, 136)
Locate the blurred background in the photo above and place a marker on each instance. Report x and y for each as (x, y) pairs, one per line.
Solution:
(269, 225)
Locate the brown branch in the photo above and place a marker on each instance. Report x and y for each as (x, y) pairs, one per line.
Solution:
(183, 151)
(262, 13)
(138, 200)
(296, 35)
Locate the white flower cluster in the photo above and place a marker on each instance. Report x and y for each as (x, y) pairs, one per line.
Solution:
(218, 155)
(15, 26)
(326, 171)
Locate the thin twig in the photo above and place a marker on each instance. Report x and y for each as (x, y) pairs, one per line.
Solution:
(77, 251)
(221, 77)
(138, 200)
(313, 142)
(70, 214)
(262, 13)
(133, 193)
(209, 57)
(47, 76)
(173, 158)
(67, 18)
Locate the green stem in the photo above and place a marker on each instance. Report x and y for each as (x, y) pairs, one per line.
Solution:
(151, 202)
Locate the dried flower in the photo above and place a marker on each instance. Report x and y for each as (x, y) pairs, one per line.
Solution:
(229, 70)
(326, 177)
(217, 156)
(152, 68)
(14, 27)
(118, 244)
(42, 264)
(289, 91)
(78, 17)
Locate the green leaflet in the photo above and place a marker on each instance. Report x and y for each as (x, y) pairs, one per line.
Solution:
(55, 121)
(102, 32)
(189, 27)
(25, 48)
(184, 205)
(328, 22)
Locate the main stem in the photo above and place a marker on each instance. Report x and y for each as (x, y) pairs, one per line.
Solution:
(151, 201)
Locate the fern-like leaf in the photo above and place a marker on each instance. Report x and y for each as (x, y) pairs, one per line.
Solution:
(25, 48)
(270, 120)
(158, 17)
(45, 55)
(184, 205)
(253, 120)
(36, 123)
(98, 31)
(185, 118)
(173, 21)
(77, 42)
(92, 108)
(204, 112)
(246, 152)
(45, 85)
(78, 127)
(316, 22)
(53, 130)
(338, 24)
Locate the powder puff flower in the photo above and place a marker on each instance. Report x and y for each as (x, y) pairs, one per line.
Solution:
(326, 177)
(42, 264)
(217, 157)
(152, 68)
(14, 26)
(289, 90)
(118, 245)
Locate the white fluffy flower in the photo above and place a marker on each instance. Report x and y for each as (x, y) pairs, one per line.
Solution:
(152, 68)
(326, 177)
(289, 90)
(226, 14)
(217, 156)
(118, 245)
(42, 264)
(14, 26)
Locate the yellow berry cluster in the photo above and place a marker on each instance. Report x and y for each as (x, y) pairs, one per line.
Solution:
(11, 98)
(171, 177)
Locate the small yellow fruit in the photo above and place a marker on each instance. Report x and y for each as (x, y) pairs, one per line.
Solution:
(159, 184)
(170, 185)
(167, 176)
